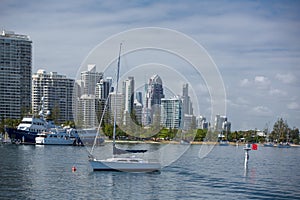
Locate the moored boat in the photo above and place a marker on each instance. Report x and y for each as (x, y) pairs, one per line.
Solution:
(27, 130)
(223, 143)
(284, 145)
(269, 144)
(57, 137)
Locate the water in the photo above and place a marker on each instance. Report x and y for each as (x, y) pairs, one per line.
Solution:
(44, 172)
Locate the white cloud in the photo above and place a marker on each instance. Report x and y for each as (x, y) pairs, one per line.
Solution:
(293, 106)
(277, 92)
(262, 82)
(245, 82)
(286, 78)
(262, 111)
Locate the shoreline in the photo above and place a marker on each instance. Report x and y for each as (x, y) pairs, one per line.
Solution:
(178, 142)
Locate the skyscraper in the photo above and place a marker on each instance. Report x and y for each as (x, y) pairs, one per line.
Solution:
(89, 79)
(187, 107)
(15, 74)
(153, 99)
(128, 91)
(186, 100)
(57, 91)
(116, 102)
(103, 88)
(171, 112)
(86, 103)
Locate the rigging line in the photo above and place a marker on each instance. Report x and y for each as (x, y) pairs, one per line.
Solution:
(99, 128)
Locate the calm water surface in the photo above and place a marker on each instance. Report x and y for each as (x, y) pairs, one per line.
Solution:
(44, 172)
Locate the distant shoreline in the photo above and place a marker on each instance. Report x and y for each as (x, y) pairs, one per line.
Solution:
(177, 142)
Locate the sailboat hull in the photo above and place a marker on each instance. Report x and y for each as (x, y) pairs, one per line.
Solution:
(125, 165)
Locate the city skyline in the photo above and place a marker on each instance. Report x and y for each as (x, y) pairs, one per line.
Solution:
(254, 44)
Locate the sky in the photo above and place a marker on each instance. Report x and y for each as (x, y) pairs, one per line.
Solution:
(254, 44)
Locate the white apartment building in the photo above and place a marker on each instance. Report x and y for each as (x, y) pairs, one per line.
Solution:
(171, 112)
(57, 91)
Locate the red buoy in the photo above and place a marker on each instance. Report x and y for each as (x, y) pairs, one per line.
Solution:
(73, 169)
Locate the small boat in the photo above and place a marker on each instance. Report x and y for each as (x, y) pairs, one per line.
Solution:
(284, 145)
(5, 139)
(269, 144)
(60, 137)
(223, 143)
(125, 164)
(184, 141)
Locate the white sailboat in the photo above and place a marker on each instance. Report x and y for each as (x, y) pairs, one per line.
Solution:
(116, 163)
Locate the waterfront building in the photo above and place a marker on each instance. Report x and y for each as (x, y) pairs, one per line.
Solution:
(171, 112)
(128, 91)
(57, 93)
(187, 105)
(139, 97)
(138, 110)
(117, 102)
(187, 108)
(201, 122)
(189, 122)
(221, 124)
(89, 79)
(15, 74)
(153, 100)
(86, 115)
(103, 88)
(87, 111)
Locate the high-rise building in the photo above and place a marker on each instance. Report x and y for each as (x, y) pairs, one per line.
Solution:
(89, 79)
(153, 99)
(86, 115)
(138, 108)
(128, 91)
(187, 107)
(171, 112)
(186, 100)
(57, 93)
(103, 88)
(139, 97)
(221, 124)
(189, 122)
(116, 102)
(201, 122)
(15, 74)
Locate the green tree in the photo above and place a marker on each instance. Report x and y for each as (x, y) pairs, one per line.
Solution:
(200, 135)
(55, 114)
(280, 131)
(294, 135)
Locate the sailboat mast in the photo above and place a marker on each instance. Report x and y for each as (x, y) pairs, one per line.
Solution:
(115, 111)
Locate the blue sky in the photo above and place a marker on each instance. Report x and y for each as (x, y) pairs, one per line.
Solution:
(255, 44)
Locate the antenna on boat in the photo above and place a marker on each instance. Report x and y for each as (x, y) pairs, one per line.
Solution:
(115, 111)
